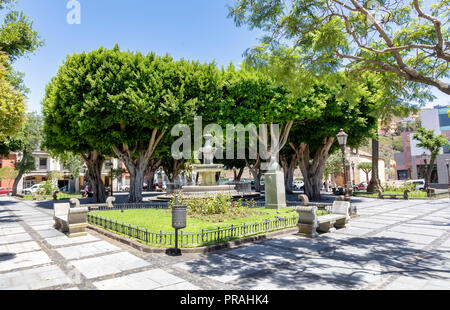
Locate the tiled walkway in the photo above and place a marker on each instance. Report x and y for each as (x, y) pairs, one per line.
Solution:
(391, 245)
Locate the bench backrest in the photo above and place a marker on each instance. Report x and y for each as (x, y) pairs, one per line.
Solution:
(61, 209)
(341, 207)
(304, 199)
(307, 214)
(78, 215)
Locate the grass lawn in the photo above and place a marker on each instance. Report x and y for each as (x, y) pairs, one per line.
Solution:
(154, 219)
(414, 194)
(50, 197)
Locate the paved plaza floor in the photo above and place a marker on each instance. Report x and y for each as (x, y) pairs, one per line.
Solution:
(393, 244)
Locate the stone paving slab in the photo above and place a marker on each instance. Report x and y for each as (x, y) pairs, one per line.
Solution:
(21, 247)
(262, 253)
(50, 233)
(392, 244)
(414, 283)
(14, 238)
(64, 240)
(11, 230)
(89, 249)
(21, 260)
(108, 264)
(147, 280)
(221, 268)
(33, 279)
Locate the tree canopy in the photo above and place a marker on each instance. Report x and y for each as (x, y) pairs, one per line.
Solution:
(401, 39)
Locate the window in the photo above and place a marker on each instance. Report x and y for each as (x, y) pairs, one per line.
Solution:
(42, 163)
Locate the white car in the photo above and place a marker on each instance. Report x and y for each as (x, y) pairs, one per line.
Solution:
(298, 184)
(33, 189)
(125, 188)
(420, 184)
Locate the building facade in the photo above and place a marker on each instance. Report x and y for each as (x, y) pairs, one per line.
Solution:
(410, 164)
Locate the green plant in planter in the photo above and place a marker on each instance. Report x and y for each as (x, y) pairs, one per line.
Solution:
(218, 207)
(47, 189)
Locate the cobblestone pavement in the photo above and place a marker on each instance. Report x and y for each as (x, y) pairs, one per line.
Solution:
(393, 244)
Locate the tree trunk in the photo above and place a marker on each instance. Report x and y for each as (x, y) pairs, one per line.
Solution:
(25, 165)
(288, 165)
(137, 174)
(313, 171)
(255, 170)
(136, 159)
(16, 183)
(94, 162)
(429, 172)
(375, 183)
(238, 176)
(150, 179)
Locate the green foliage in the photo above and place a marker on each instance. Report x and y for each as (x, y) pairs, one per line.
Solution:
(26, 164)
(48, 188)
(217, 208)
(334, 164)
(397, 144)
(17, 38)
(8, 173)
(12, 105)
(430, 141)
(117, 173)
(403, 42)
(72, 162)
(365, 166)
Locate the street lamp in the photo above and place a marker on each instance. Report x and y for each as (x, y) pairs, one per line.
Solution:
(109, 164)
(353, 169)
(342, 140)
(447, 162)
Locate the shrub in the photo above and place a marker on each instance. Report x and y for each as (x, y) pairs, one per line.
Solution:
(47, 189)
(217, 207)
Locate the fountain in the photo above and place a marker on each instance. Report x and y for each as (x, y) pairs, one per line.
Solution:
(209, 172)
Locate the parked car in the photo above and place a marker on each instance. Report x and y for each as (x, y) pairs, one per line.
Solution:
(298, 184)
(33, 189)
(361, 186)
(64, 189)
(125, 188)
(420, 184)
(5, 191)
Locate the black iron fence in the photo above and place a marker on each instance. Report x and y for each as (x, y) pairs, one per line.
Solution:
(195, 238)
(132, 205)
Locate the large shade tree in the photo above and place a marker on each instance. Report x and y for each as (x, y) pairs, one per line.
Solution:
(253, 98)
(406, 39)
(314, 137)
(125, 102)
(29, 139)
(432, 142)
(17, 39)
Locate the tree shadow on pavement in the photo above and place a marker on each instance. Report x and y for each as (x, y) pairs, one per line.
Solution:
(322, 263)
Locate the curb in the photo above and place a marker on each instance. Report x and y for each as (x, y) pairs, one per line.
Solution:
(200, 250)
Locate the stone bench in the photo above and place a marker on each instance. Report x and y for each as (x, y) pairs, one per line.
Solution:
(309, 223)
(381, 195)
(70, 220)
(94, 206)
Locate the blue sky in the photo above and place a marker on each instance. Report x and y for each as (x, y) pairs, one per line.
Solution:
(191, 29)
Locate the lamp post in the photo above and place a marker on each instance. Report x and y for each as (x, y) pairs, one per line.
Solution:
(109, 164)
(425, 157)
(342, 140)
(447, 162)
(353, 169)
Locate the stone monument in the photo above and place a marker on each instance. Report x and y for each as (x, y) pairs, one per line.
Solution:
(275, 190)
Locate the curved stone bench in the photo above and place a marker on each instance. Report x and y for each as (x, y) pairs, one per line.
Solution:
(70, 220)
(309, 223)
(108, 204)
